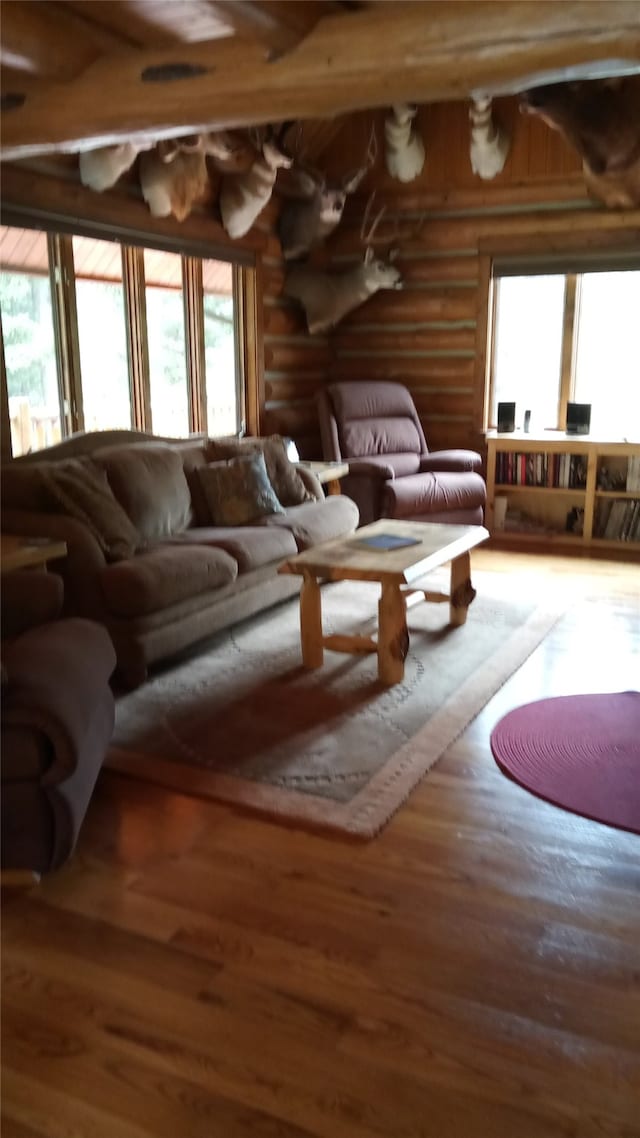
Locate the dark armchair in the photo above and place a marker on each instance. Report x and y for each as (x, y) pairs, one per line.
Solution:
(392, 474)
(57, 720)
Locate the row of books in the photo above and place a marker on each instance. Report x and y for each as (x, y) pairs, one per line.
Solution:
(559, 470)
(618, 519)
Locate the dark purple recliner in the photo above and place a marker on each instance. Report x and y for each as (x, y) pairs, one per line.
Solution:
(392, 474)
(57, 720)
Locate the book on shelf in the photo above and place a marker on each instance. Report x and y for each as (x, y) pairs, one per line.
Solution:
(618, 520)
(559, 471)
(633, 473)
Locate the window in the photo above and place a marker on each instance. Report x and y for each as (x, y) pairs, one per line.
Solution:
(224, 408)
(607, 370)
(560, 337)
(99, 335)
(166, 338)
(26, 310)
(102, 337)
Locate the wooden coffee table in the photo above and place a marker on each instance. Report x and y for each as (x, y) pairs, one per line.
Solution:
(401, 573)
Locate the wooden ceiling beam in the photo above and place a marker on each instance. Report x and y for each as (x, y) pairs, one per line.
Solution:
(422, 52)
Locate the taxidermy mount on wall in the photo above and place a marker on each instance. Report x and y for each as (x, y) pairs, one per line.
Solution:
(328, 296)
(600, 118)
(404, 149)
(173, 172)
(489, 141)
(244, 195)
(314, 206)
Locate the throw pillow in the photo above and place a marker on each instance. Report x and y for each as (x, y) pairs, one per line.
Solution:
(238, 492)
(80, 488)
(287, 483)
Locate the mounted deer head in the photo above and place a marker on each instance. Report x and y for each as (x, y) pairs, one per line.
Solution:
(305, 223)
(404, 149)
(244, 194)
(327, 297)
(489, 142)
(101, 168)
(600, 118)
(174, 174)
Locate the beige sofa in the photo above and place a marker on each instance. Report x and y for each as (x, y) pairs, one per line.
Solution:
(145, 555)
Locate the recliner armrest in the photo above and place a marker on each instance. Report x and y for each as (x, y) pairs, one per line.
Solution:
(52, 673)
(29, 597)
(452, 460)
(382, 470)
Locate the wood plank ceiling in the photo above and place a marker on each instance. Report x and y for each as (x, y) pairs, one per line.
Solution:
(76, 73)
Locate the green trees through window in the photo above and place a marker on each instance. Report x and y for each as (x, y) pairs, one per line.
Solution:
(130, 340)
(30, 360)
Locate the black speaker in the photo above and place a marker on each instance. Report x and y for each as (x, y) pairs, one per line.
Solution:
(578, 418)
(506, 417)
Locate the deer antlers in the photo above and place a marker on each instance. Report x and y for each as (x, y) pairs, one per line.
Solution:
(398, 234)
(350, 184)
(305, 224)
(367, 236)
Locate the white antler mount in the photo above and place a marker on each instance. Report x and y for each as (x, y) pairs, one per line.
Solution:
(101, 168)
(244, 195)
(404, 149)
(489, 142)
(173, 172)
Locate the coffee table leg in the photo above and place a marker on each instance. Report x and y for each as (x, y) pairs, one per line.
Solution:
(311, 623)
(393, 636)
(462, 591)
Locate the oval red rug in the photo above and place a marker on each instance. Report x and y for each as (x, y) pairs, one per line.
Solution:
(581, 752)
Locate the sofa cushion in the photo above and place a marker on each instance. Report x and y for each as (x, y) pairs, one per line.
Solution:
(284, 477)
(238, 491)
(315, 522)
(149, 481)
(251, 546)
(164, 575)
(80, 488)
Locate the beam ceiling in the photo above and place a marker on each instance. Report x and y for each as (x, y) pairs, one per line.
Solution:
(350, 60)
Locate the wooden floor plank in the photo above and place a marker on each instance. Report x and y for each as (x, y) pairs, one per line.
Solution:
(473, 972)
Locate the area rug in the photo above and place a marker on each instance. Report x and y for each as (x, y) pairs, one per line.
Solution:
(581, 752)
(242, 722)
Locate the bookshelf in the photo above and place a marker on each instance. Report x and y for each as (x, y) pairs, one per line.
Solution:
(572, 491)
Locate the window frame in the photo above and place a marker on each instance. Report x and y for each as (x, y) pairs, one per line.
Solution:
(132, 245)
(569, 255)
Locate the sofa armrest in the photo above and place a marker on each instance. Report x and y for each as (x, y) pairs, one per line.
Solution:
(82, 548)
(82, 566)
(51, 676)
(451, 460)
(311, 481)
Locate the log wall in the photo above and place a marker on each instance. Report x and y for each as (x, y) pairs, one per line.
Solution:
(431, 335)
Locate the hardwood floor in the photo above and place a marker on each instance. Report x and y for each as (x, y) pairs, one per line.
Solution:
(473, 972)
